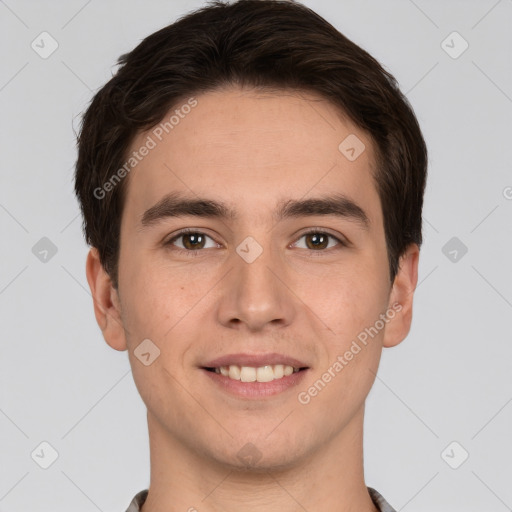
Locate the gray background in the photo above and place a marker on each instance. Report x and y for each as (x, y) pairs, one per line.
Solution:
(449, 381)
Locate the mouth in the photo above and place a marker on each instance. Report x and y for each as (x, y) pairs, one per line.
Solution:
(266, 373)
(252, 376)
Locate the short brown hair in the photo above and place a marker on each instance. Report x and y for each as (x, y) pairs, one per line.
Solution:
(276, 44)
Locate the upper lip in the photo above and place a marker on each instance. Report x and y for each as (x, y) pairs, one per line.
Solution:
(254, 360)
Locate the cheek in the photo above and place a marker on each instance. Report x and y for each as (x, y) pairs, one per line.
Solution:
(147, 311)
(163, 305)
(346, 372)
(349, 298)
(340, 387)
(155, 297)
(157, 310)
(352, 303)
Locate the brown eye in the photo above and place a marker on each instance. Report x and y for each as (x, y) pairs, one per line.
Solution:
(319, 241)
(191, 241)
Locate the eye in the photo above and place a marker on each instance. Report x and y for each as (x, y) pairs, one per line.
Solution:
(317, 240)
(193, 241)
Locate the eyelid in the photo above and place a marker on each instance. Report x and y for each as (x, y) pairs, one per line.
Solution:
(339, 238)
(324, 231)
(184, 231)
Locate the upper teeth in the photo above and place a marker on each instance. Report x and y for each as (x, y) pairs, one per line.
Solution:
(262, 374)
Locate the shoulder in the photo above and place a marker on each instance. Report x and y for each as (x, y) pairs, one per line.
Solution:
(379, 501)
(138, 501)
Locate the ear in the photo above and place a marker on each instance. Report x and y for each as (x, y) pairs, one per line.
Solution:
(107, 308)
(401, 296)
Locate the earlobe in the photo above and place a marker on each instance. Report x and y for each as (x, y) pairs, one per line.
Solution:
(106, 302)
(401, 297)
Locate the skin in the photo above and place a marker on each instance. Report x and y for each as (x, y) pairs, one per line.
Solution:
(251, 149)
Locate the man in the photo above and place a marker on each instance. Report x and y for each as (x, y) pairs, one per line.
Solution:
(251, 184)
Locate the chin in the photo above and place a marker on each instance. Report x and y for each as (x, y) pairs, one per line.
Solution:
(275, 463)
(262, 456)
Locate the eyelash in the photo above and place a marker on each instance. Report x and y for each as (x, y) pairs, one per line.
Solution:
(194, 252)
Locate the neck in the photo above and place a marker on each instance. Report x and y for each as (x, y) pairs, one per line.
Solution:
(330, 480)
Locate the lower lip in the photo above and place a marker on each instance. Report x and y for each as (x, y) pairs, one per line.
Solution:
(255, 390)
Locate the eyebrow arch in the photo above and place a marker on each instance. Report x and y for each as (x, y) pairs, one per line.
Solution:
(178, 205)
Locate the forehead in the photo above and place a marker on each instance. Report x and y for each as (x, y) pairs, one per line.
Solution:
(253, 149)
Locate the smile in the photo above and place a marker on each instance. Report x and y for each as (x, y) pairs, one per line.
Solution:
(255, 376)
(265, 373)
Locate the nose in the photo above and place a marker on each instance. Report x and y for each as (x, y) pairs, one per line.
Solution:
(255, 294)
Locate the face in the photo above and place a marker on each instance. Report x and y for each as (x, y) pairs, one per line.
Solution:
(278, 280)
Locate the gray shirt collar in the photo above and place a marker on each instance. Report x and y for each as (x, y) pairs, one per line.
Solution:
(377, 498)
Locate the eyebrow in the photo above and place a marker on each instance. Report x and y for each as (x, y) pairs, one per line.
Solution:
(178, 205)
